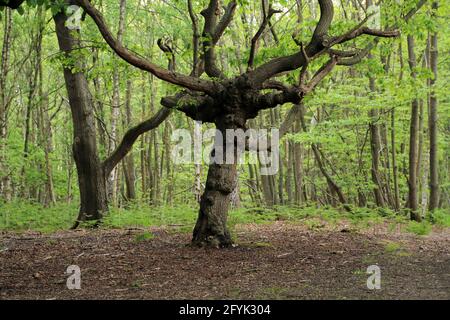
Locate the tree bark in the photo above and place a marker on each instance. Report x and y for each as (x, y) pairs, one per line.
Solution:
(375, 145)
(413, 139)
(113, 183)
(5, 180)
(91, 178)
(394, 163)
(129, 168)
(211, 227)
(433, 119)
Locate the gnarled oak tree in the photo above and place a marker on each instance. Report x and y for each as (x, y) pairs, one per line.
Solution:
(230, 102)
(207, 94)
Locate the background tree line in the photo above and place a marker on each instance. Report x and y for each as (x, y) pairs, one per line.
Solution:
(371, 135)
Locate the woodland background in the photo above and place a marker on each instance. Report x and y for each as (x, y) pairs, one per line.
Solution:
(351, 151)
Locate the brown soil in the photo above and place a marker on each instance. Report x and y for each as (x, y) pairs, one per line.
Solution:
(274, 261)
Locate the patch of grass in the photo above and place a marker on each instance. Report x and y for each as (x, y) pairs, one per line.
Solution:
(24, 216)
(314, 224)
(359, 272)
(181, 229)
(273, 293)
(234, 293)
(144, 216)
(51, 242)
(369, 259)
(137, 284)
(392, 246)
(419, 228)
(440, 217)
(396, 248)
(145, 236)
(365, 218)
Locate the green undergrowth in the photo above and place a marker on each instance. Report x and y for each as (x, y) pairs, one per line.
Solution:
(23, 216)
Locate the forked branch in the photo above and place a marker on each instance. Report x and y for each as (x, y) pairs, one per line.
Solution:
(141, 63)
(258, 34)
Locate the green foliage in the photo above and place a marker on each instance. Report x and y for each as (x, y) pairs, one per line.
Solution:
(23, 216)
(337, 113)
(440, 217)
(138, 215)
(145, 236)
(396, 248)
(419, 228)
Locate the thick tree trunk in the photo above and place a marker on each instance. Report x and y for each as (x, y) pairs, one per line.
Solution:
(91, 179)
(211, 227)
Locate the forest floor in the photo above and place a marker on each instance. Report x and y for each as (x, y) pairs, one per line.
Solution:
(278, 260)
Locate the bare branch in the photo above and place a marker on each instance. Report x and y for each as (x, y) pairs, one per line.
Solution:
(224, 21)
(304, 71)
(220, 29)
(274, 99)
(343, 53)
(195, 106)
(210, 14)
(275, 85)
(358, 56)
(361, 31)
(134, 133)
(319, 75)
(195, 38)
(130, 138)
(297, 60)
(361, 54)
(258, 34)
(326, 17)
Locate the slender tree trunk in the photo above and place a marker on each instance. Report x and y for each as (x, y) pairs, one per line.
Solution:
(433, 119)
(5, 180)
(289, 169)
(297, 153)
(129, 170)
(198, 167)
(32, 84)
(375, 144)
(413, 139)
(235, 195)
(113, 183)
(394, 163)
(143, 153)
(47, 143)
(101, 129)
(170, 166)
(91, 179)
(334, 188)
